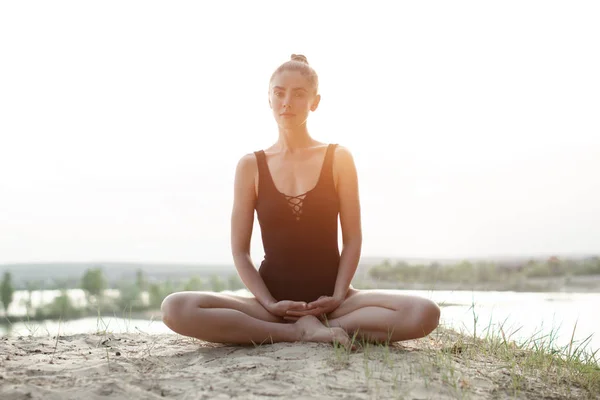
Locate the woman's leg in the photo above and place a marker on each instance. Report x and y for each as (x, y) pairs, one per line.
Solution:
(380, 316)
(223, 318)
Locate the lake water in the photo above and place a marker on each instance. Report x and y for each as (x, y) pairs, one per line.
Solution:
(520, 315)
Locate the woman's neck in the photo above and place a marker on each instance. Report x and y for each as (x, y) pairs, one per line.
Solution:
(294, 139)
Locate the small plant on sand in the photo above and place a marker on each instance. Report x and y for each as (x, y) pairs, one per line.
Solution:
(101, 326)
(268, 340)
(32, 328)
(342, 352)
(56, 342)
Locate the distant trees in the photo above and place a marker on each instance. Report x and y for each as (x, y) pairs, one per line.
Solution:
(217, 284)
(214, 284)
(157, 292)
(461, 273)
(135, 293)
(61, 307)
(194, 284)
(554, 267)
(129, 297)
(31, 286)
(6, 291)
(93, 283)
(130, 292)
(234, 282)
(140, 280)
(466, 272)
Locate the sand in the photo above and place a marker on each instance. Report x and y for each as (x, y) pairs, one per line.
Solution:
(143, 366)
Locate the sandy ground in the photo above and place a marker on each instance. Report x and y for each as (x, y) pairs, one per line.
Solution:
(142, 366)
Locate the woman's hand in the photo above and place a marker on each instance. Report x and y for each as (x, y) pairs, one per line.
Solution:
(281, 308)
(319, 308)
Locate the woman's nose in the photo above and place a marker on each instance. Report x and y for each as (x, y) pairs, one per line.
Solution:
(287, 101)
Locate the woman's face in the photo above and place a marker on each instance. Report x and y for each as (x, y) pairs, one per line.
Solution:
(292, 98)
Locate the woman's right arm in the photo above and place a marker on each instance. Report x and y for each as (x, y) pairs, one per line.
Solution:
(242, 220)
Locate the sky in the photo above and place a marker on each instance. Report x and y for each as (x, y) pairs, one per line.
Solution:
(475, 126)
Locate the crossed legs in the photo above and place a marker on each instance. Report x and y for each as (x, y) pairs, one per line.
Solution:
(372, 314)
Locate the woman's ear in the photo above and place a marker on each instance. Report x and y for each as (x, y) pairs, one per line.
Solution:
(315, 103)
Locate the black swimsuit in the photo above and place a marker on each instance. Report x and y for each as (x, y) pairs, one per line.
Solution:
(299, 235)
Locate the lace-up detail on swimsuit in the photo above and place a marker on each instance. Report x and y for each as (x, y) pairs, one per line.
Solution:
(296, 203)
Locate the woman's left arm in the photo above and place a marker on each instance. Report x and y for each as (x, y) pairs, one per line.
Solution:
(347, 187)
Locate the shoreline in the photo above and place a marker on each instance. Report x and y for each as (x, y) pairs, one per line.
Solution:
(593, 287)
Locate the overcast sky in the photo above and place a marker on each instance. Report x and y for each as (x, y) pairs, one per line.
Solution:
(475, 126)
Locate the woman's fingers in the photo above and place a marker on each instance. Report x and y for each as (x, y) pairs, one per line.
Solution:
(320, 302)
(296, 313)
(298, 305)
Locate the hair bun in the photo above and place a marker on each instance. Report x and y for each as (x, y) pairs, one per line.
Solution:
(299, 57)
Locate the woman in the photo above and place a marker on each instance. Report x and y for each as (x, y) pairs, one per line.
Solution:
(302, 291)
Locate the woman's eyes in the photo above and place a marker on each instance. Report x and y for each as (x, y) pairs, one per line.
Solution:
(296, 94)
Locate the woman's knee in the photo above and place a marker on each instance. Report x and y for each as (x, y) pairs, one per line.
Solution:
(177, 307)
(429, 316)
(424, 317)
(171, 307)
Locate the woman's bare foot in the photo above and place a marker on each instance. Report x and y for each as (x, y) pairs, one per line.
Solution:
(313, 330)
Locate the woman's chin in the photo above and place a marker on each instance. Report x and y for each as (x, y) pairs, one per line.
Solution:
(289, 123)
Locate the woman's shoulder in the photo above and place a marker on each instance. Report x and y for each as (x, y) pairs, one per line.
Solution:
(343, 162)
(247, 163)
(342, 153)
